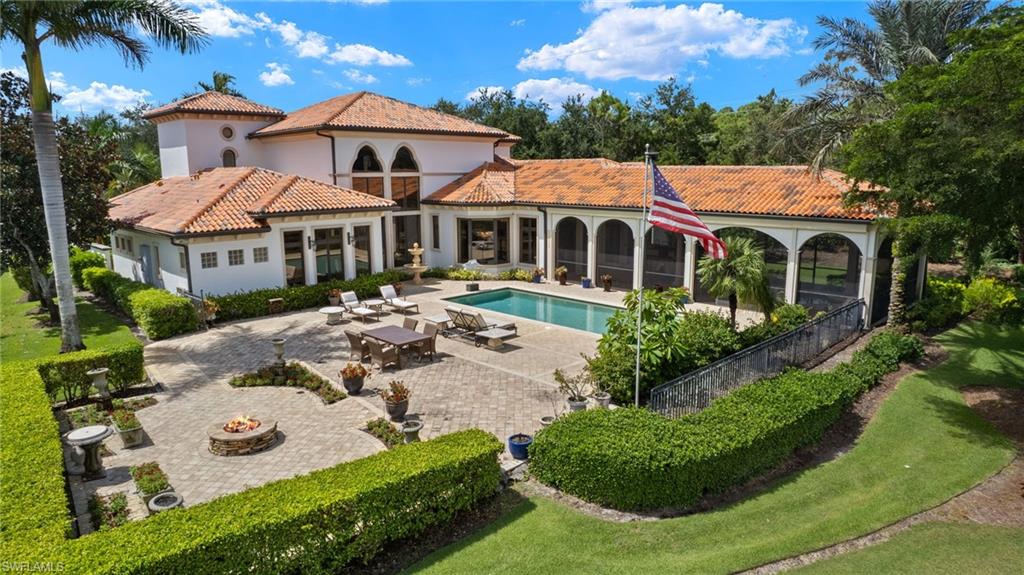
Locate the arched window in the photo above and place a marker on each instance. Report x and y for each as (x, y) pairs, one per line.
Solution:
(404, 162)
(367, 162)
(228, 158)
(776, 258)
(615, 253)
(405, 190)
(829, 272)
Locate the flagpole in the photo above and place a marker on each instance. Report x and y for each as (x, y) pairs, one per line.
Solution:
(648, 154)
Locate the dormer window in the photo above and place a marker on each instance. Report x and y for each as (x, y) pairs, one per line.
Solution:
(228, 158)
(366, 161)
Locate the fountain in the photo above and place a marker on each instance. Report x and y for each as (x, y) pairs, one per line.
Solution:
(416, 267)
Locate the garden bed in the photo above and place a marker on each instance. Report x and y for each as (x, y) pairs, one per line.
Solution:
(293, 375)
(385, 431)
(108, 511)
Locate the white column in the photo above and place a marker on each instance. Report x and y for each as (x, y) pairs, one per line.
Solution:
(348, 252)
(792, 268)
(591, 249)
(638, 264)
(690, 264)
(377, 259)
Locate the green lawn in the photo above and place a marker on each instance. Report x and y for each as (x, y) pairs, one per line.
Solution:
(21, 338)
(935, 548)
(924, 446)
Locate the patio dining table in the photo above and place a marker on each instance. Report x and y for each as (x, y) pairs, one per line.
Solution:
(396, 336)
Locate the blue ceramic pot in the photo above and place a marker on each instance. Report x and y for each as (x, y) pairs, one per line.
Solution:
(587, 283)
(519, 444)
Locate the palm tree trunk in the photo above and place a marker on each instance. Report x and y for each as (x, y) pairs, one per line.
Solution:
(897, 303)
(733, 304)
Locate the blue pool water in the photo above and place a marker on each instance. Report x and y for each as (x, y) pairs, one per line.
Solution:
(552, 309)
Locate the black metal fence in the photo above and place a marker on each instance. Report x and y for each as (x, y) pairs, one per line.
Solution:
(696, 390)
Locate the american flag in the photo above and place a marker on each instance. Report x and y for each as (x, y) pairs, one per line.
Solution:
(669, 212)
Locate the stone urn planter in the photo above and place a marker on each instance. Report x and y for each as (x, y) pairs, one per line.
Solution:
(603, 399)
(148, 497)
(547, 420)
(577, 403)
(334, 300)
(411, 429)
(164, 501)
(518, 446)
(132, 437)
(396, 410)
(353, 385)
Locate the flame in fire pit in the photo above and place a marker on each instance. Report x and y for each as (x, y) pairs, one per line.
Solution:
(241, 424)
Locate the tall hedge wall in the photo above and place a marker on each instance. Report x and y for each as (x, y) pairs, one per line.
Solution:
(636, 459)
(158, 312)
(313, 523)
(65, 375)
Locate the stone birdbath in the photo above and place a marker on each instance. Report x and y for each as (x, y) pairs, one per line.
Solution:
(99, 381)
(89, 439)
(416, 267)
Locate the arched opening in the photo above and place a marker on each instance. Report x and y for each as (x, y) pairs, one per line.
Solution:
(367, 163)
(405, 189)
(775, 260)
(228, 158)
(829, 272)
(571, 247)
(615, 253)
(664, 259)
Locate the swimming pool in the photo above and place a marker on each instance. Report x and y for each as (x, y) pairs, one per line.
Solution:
(551, 309)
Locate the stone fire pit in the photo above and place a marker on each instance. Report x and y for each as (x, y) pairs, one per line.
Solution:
(259, 434)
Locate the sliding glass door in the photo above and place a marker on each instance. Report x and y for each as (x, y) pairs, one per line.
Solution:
(361, 246)
(294, 260)
(330, 261)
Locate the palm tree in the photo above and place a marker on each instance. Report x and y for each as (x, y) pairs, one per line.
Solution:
(75, 25)
(221, 82)
(741, 276)
(860, 60)
(138, 166)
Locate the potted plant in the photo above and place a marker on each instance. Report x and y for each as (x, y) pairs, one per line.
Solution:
(353, 375)
(150, 480)
(128, 427)
(574, 388)
(547, 420)
(606, 281)
(586, 282)
(519, 444)
(601, 395)
(561, 274)
(334, 297)
(396, 400)
(398, 288)
(538, 275)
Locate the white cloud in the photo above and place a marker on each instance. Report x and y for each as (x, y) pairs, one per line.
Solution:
(360, 77)
(305, 44)
(363, 55)
(416, 82)
(18, 71)
(487, 89)
(595, 6)
(517, 22)
(99, 96)
(222, 21)
(57, 84)
(553, 91)
(653, 43)
(276, 75)
(805, 51)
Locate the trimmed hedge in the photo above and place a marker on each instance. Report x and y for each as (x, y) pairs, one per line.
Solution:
(158, 312)
(242, 305)
(80, 261)
(33, 508)
(65, 374)
(636, 459)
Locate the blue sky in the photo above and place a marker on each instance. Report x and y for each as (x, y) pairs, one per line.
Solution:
(291, 54)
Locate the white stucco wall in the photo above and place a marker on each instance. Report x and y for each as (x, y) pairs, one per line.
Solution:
(191, 144)
(164, 255)
(447, 255)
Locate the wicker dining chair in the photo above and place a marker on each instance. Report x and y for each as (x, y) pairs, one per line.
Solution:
(359, 351)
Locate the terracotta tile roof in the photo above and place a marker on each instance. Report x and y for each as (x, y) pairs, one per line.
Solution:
(214, 103)
(373, 112)
(225, 200)
(761, 190)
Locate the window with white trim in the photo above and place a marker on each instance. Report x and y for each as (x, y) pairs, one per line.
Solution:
(208, 260)
(260, 255)
(182, 261)
(236, 257)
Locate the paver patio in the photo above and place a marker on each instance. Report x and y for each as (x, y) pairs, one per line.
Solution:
(502, 392)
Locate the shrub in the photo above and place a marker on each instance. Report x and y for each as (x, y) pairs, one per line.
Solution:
(295, 375)
(993, 301)
(125, 419)
(636, 459)
(242, 305)
(81, 260)
(149, 478)
(108, 511)
(942, 305)
(65, 375)
(23, 279)
(516, 274)
(158, 312)
(385, 431)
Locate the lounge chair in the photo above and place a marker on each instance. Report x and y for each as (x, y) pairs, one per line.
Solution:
(359, 349)
(351, 302)
(430, 345)
(486, 330)
(467, 324)
(391, 299)
(382, 355)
